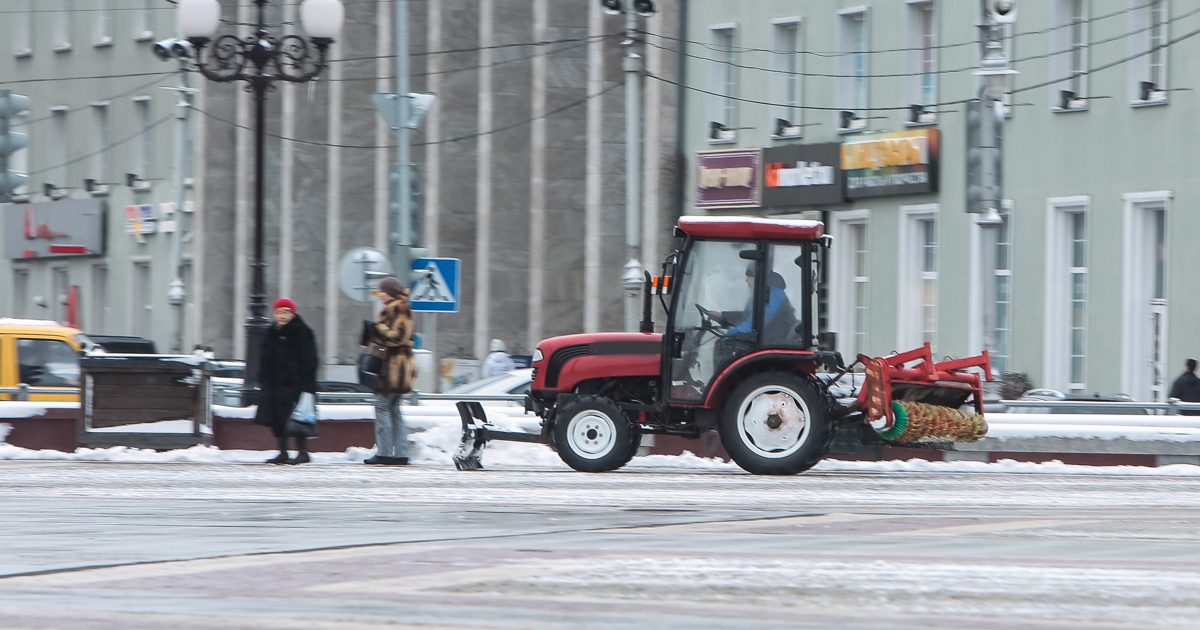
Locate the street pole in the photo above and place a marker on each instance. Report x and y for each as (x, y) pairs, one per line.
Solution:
(177, 293)
(400, 232)
(633, 65)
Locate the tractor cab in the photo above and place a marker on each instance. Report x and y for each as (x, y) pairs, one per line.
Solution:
(742, 286)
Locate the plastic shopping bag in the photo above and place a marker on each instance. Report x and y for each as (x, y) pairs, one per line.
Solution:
(303, 421)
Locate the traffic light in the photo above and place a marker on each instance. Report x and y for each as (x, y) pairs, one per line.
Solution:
(977, 145)
(1002, 11)
(11, 106)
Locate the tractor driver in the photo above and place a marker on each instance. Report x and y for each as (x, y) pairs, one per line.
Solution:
(779, 317)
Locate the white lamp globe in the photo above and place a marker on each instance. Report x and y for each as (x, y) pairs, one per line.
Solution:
(322, 19)
(199, 18)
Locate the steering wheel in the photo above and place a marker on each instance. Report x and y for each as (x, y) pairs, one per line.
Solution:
(710, 323)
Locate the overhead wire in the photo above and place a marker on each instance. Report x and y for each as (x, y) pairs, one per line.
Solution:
(105, 149)
(107, 98)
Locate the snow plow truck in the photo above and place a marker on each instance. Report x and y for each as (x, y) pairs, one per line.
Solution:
(738, 355)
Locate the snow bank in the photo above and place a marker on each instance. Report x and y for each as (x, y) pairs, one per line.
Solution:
(162, 426)
(26, 409)
(1054, 467)
(5, 429)
(1017, 430)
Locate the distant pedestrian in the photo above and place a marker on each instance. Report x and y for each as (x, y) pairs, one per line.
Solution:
(1187, 386)
(395, 333)
(286, 369)
(497, 361)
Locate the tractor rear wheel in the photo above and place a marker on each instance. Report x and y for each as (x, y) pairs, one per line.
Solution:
(774, 423)
(593, 434)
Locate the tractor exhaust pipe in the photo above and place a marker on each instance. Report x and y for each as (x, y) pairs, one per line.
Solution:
(647, 306)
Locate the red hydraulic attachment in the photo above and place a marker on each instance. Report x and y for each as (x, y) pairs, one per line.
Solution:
(929, 393)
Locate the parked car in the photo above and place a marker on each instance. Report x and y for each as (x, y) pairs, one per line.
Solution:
(124, 344)
(514, 382)
(40, 353)
(1055, 395)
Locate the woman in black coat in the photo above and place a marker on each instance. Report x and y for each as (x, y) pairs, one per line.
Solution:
(287, 368)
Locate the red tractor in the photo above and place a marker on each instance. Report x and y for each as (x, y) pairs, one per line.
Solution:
(739, 355)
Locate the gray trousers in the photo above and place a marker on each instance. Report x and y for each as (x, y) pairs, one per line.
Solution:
(391, 436)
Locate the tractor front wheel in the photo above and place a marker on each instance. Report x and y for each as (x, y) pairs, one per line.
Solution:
(774, 423)
(593, 434)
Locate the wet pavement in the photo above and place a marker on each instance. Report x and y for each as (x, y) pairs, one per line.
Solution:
(131, 546)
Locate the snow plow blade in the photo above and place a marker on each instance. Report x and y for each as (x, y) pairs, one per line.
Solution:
(477, 431)
(922, 403)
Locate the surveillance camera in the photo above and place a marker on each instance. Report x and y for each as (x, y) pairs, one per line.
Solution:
(162, 49)
(611, 7)
(645, 8)
(181, 49)
(1003, 11)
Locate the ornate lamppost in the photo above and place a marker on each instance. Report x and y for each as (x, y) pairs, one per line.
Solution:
(259, 59)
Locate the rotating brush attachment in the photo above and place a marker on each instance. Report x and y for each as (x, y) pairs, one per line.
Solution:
(915, 421)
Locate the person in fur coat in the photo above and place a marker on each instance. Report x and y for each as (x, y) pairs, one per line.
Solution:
(287, 368)
(395, 333)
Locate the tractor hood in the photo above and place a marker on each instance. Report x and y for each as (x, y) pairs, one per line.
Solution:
(563, 362)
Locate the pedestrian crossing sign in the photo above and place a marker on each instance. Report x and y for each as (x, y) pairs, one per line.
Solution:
(436, 286)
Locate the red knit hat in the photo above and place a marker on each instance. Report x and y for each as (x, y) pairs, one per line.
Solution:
(284, 303)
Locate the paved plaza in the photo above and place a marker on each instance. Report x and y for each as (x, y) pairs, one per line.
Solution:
(87, 545)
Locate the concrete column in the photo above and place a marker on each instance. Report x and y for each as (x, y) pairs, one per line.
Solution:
(199, 297)
(383, 46)
(537, 180)
(432, 188)
(333, 207)
(243, 205)
(483, 174)
(287, 177)
(593, 171)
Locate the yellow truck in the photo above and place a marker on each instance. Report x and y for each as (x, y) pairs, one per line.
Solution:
(41, 354)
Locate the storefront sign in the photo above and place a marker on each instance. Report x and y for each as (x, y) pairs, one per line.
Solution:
(70, 227)
(901, 163)
(802, 175)
(729, 179)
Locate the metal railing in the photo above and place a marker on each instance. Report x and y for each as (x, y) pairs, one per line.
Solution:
(1172, 407)
(232, 397)
(23, 391)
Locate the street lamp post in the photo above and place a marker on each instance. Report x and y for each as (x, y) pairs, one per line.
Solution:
(259, 59)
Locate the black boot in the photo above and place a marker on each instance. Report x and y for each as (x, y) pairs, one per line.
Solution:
(302, 454)
(282, 457)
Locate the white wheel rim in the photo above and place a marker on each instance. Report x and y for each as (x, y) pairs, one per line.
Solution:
(591, 434)
(773, 421)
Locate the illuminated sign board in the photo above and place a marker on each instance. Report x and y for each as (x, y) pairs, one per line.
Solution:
(901, 163)
(802, 175)
(729, 179)
(69, 227)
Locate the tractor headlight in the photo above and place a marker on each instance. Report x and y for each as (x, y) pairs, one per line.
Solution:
(537, 355)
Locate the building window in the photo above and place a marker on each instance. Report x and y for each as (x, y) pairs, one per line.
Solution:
(852, 69)
(60, 147)
(1144, 296)
(1002, 349)
(102, 22)
(1078, 271)
(22, 28)
(722, 84)
(59, 292)
(1148, 72)
(1070, 59)
(20, 303)
(99, 309)
(98, 163)
(917, 319)
(143, 21)
(922, 65)
(141, 148)
(862, 279)
(19, 160)
(786, 80)
(143, 308)
(1066, 294)
(61, 33)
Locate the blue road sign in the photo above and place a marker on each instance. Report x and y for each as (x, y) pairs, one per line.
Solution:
(436, 289)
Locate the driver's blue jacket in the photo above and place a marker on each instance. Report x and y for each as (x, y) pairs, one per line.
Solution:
(775, 298)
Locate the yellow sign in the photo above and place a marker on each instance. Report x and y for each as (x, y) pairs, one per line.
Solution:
(903, 148)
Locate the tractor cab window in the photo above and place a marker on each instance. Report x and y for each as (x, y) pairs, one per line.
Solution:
(784, 298)
(714, 318)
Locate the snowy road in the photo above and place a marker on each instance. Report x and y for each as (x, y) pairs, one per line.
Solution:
(183, 545)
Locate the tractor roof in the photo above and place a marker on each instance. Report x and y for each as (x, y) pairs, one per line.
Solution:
(751, 228)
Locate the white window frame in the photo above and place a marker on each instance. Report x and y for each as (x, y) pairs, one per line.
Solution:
(920, 69)
(854, 68)
(723, 81)
(843, 280)
(1070, 54)
(141, 148)
(979, 261)
(1057, 332)
(143, 21)
(1143, 36)
(20, 292)
(19, 160)
(99, 163)
(102, 23)
(58, 301)
(912, 276)
(1138, 303)
(787, 80)
(136, 292)
(61, 33)
(57, 170)
(99, 308)
(22, 28)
